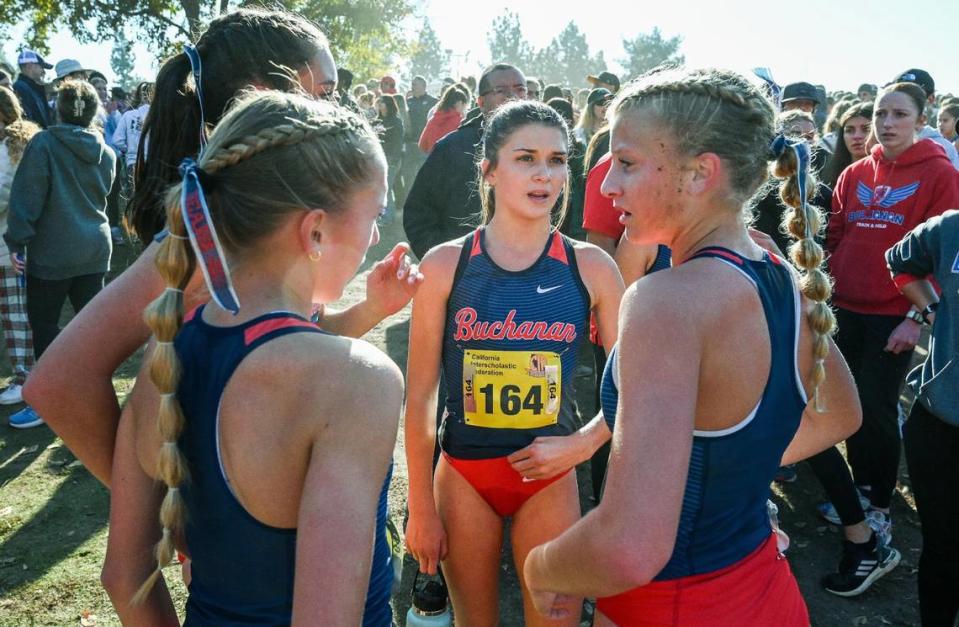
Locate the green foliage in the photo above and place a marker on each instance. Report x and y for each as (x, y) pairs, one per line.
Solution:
(566, 60)
(507, 44)
(429, 58)
(122, 61)
(646, 51)
(366, 36)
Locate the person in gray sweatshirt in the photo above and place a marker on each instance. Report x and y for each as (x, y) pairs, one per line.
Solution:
(57, 229)
(931, 434)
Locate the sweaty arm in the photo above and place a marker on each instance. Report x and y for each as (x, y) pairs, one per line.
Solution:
(134, 521)
(628, 538)
(425, 537)
(351, 450)
(72, 386)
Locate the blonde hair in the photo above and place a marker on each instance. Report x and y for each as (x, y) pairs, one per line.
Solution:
(723, 113)
(274, 154)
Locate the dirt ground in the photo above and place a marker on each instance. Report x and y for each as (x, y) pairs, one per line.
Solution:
(53, 523)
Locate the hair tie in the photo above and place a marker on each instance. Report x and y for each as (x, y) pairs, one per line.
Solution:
(801, 148)
(173, 289)
(196, 66)
(775, 91)
(159, 343)
(180, 237)
(206, 244)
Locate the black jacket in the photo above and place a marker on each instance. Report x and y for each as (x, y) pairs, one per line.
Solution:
(444, 201)
(33, 99)
(391, 138)
(770, 210)
(418, 108)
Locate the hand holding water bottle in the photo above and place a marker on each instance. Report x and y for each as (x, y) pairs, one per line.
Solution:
(19, 262)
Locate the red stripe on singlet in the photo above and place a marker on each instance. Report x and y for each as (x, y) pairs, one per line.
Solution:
(260, 329)
(557, 250)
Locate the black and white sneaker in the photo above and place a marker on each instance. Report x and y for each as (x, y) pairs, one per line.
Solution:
(861, 565)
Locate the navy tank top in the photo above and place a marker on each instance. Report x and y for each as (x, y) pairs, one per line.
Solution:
(243, 569)
(510, 348)
(724, 516)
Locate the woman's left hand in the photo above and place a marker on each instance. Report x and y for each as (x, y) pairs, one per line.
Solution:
(547, 457)
(904, 337)
(393, 281)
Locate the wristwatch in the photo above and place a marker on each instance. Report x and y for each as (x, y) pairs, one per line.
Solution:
(928, 311)
(916, 317)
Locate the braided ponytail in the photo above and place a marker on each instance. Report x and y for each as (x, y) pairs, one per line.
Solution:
(803, 222)
(176, 263)
(317, 156)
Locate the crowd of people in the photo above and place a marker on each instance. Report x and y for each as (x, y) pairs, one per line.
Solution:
(748, 267)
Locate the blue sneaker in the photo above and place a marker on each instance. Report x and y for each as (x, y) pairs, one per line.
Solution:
(25, 419)
(828, 511)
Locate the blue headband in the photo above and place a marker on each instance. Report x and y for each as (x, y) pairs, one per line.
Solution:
(206, 244)
(775, 91)
(197, 67)
(799, 146)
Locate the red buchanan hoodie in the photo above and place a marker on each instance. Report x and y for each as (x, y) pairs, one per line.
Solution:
(877, 201)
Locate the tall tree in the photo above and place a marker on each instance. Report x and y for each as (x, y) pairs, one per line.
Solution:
(566, 59)
(429, 58)
(122, 60)
(646, 51)
(507, 44)
(366, 36)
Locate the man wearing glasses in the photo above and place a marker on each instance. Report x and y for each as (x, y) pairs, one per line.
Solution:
(444, 200)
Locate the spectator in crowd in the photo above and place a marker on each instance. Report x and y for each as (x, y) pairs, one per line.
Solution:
(358, 91)
(31, 90)
(931, 433)
(802, 96)
(70, 69)
(831, 129)
(391, 139)
(533, 89)
(579, 102)
(367, 104)
(867, 92)
(126, 138)
(854, 125)
(572, 223)
(449, 113)
(593, 117)
(444, 198)
(605, 80)
(58, 216)
(903, 182)
(418, 106)
(15, 133)
(344, 84)
(108, 118)
(928, 85)
(373, 86)
(770, 215)
(552, 91)
(946, 122)
(388, 85)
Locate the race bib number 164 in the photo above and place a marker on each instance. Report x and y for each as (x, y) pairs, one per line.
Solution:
(511, 389)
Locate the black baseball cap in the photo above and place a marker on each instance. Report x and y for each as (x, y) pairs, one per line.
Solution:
(801, 91)
(919, 77)
(598, 95)
(867, 87)
(606, 78)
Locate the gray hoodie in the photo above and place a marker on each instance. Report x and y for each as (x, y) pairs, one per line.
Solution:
(58, 203)
(932, 248)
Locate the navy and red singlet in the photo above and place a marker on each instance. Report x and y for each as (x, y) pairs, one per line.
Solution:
(243, 569)
(724, 569)
(510, 348)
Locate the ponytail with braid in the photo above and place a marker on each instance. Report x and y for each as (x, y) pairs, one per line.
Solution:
(274, 154)
(804, 222)
(722, 112)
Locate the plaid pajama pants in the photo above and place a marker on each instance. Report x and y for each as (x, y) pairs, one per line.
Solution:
(16, 328)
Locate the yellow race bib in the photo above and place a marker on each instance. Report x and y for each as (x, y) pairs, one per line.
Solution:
(511, 389)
